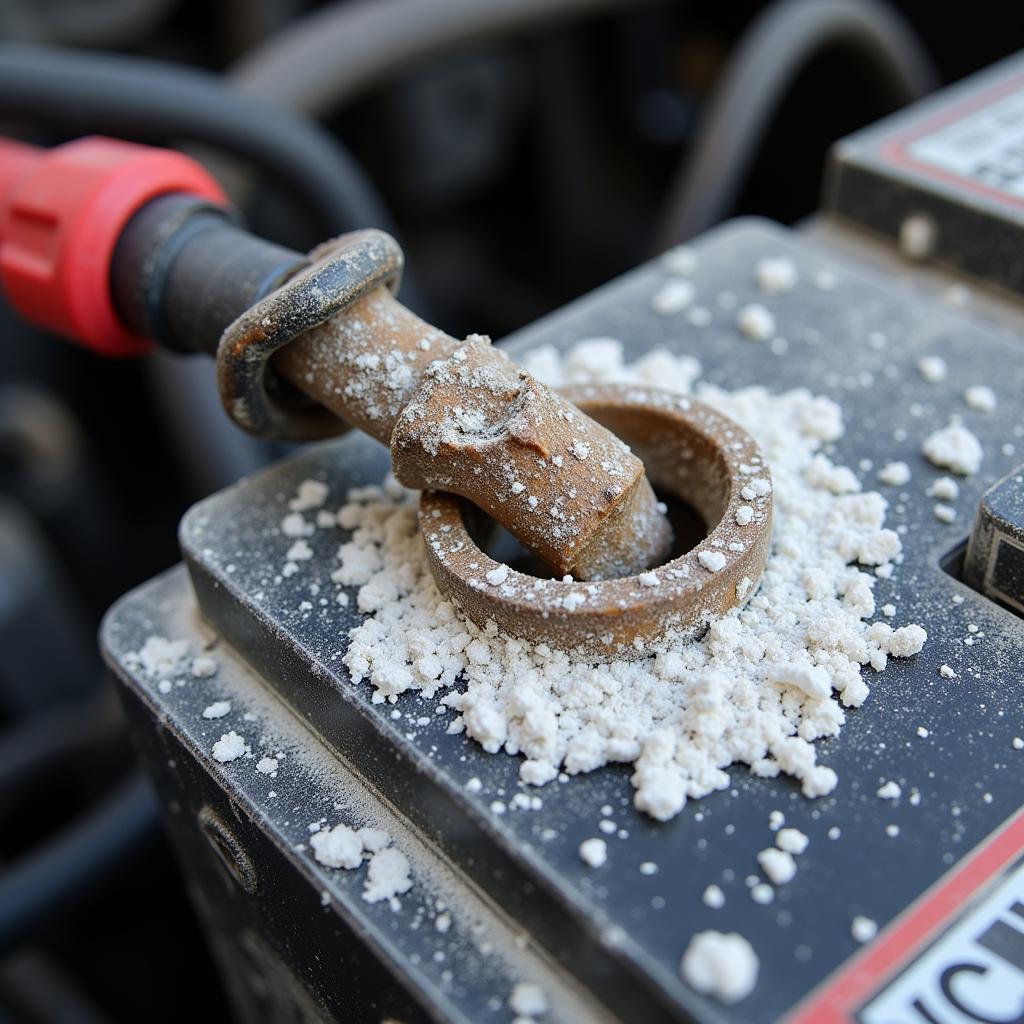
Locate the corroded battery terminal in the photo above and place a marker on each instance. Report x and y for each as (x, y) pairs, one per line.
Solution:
(460, 417)
(307, 346)
(139, 247)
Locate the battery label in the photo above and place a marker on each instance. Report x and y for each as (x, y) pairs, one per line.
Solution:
(956, 956)
(975, 972)
(986, 147)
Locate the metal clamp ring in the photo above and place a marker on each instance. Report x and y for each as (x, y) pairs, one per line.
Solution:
(341, 272)
(690, 450)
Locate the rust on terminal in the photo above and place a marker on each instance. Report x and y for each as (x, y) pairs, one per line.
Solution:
(457, 415)
(690, 450)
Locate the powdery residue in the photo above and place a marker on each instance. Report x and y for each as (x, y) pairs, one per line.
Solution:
(954, 447)
(230, 747)
(167, 663)
(528, 1001)
(723, 966)
(685, 715)
(388, 871)
(160, 658)
(776, 275)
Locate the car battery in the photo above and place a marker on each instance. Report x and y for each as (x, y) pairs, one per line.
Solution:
(944, 179)
(500, 898)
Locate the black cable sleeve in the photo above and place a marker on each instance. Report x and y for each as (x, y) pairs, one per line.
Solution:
(150, 101)
(182, 271)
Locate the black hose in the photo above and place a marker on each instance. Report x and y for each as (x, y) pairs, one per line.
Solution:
(761, 68)
(151, 101)
(76, 862)
(321, 61)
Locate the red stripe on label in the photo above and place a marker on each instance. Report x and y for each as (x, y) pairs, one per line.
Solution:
(836, 999)
(895, 149)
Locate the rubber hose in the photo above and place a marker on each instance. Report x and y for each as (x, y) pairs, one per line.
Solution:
(761, 68)
(155, 102)
(321, 62)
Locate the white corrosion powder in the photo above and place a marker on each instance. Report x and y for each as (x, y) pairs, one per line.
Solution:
(310, 494)
(295, 525)
(160, 658)
(945, 488)
(890, 791)
(756, 322)
(953, 447)
(894, 474)
(863, 929)
(932, 368)
(218, 709)
(387, 876)
(713, 897)
(497, 576)
(338, 847)
(230, 747)
(778, 865)
(980, 398)
(300, 551)
(713, 561)
(775, 275)
(723, 966)
(203, 667)
(528, 999)
(597, 360)
(593, 852)
(792, 840)
(758, 689)
(917, 236)
(682, 261)
(673, 297)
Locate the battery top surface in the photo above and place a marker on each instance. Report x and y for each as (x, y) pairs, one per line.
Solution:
(620, 929)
